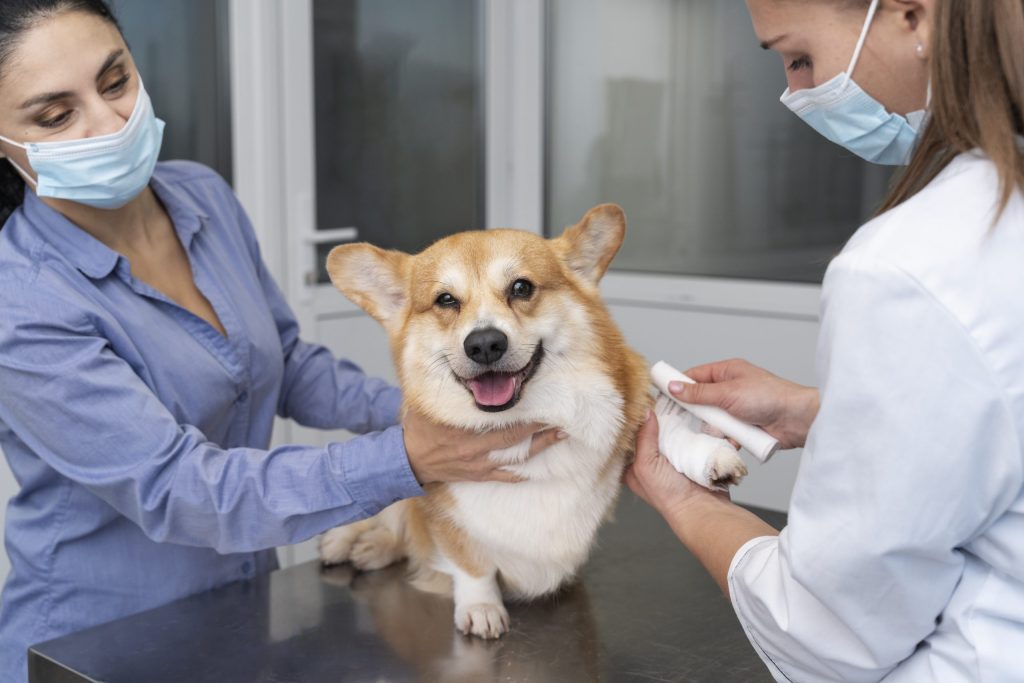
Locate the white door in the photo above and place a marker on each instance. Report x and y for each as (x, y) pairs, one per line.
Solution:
(540, 139)
(373, 113)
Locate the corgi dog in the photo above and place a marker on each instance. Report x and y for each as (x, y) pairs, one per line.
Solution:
(489, 329)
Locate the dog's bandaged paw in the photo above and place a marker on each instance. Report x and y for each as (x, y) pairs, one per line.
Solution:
(685, 441)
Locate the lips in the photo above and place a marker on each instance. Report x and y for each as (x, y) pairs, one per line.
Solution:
(498, 391)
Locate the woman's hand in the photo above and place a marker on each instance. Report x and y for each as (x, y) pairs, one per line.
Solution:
(444, 454)
(782, 408)
(707, 522)
(652, 477)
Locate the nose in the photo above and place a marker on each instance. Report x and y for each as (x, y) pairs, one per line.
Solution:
(486, 346)
(106, 121)
(106, 117)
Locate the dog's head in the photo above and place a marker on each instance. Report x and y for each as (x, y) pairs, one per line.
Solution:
(489, 327)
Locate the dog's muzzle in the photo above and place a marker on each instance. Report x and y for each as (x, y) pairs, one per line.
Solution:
(494, 391)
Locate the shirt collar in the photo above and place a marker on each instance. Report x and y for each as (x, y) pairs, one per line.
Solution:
(91, 256)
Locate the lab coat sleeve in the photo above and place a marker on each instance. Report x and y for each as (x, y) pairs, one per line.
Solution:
(319, 390)
(92, 419)
(913, 453)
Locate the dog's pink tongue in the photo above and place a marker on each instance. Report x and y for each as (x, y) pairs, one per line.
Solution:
(492, 389)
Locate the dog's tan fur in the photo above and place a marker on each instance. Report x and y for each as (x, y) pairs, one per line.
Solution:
(587, 366)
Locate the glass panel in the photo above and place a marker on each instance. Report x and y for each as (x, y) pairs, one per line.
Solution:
(182, 49)
(670, 108)
(399, 112)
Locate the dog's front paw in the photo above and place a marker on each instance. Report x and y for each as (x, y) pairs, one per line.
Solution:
(727, 468)
(336, 545)
(485, 620)
(375, 549)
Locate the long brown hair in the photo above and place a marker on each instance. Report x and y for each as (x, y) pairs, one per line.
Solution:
(977, 71)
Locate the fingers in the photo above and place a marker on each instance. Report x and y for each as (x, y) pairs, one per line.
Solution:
(542, 440)
(503, 476)
(647, 438)
(500, 439)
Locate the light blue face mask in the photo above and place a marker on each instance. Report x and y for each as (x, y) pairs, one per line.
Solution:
(105, 172)
(842, 112)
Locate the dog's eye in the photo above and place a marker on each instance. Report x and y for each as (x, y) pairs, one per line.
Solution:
(446, 300)
(521, 289)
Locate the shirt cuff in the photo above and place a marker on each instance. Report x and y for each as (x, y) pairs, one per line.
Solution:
(376, 469)
(737, 567)
(392, 402)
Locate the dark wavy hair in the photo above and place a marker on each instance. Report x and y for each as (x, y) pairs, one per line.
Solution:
(16, 17)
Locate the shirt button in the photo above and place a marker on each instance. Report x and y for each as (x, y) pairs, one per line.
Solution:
(243, 397)
(247, 567)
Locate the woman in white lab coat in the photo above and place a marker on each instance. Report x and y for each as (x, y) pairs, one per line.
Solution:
(904, 554)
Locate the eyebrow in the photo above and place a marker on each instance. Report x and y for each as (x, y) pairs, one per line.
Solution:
(48, 97)
(45, 98)
(767, 45)
(113, 57)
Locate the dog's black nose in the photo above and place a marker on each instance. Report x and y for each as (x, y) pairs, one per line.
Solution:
(486, 346)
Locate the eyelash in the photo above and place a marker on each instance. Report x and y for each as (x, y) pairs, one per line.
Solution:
(801, 63)
(58, 121)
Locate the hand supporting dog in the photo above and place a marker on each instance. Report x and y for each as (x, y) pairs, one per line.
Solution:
(438, 453)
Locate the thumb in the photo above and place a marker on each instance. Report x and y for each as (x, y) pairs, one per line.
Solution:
(647, 438)
(709, 394)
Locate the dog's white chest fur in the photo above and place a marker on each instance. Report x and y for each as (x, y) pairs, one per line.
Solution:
(540, 531)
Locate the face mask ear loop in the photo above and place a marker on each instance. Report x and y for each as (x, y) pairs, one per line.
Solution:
(860, 42)
(20, 170)
(13, 163)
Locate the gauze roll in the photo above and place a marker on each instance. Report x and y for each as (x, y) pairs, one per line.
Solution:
(705, 458)
(758, 442)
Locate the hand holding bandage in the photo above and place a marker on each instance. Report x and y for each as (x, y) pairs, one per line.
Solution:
(696, 450)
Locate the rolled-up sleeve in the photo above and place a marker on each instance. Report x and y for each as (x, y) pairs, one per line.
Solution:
(319, 390)
(913, 453)
(90, 417)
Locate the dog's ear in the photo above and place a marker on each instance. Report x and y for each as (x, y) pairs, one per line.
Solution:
(589, 246)
(374, 279)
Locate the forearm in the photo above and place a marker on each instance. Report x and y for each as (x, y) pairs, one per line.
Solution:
(714, 529)
(324, 392)
(243, 499)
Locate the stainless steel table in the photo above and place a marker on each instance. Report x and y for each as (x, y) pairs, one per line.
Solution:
(644, 610)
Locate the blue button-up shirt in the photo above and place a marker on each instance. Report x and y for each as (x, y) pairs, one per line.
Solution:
(139, 434)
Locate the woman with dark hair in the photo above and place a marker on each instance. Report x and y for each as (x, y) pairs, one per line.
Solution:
(144, 352)
(903, 558)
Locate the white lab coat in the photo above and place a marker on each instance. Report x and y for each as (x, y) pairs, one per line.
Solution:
(904, 554)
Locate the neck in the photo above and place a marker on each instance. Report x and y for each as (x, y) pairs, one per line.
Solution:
(124, 229)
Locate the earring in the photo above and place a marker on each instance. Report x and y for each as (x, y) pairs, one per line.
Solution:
(920, 50)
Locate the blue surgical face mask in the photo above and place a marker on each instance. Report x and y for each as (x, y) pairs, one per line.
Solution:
(105, 172)
(848, 116)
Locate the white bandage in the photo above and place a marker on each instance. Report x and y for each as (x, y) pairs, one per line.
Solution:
(685, 441)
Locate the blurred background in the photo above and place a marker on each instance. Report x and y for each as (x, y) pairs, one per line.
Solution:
(401, 121)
